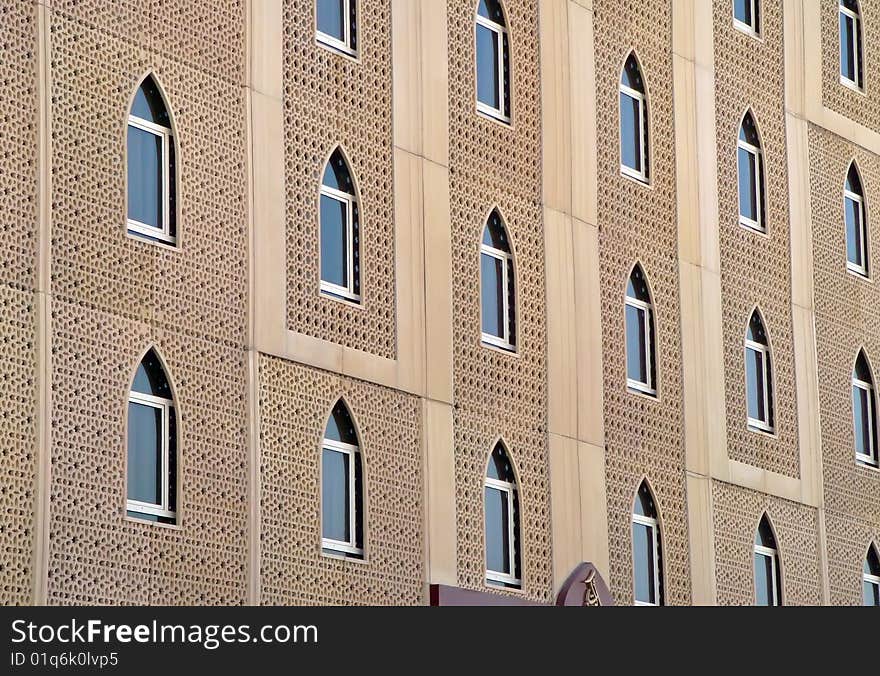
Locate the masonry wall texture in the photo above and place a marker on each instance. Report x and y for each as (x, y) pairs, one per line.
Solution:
(81, 301)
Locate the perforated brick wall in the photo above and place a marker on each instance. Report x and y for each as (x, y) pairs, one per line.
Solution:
(737, 512)
(643, 436)
(295, 402)
(498, 394)
(332, 100)
(755, 267)
(863, 107)
(847, 542)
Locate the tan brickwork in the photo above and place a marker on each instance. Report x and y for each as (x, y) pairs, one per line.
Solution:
(332, 100)
(755, 268)
(643, 435)
(737, 512)
(295, 402)
(862, 107)
(498, 394)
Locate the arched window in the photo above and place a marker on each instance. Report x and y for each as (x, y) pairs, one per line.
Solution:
(750, 168)
(864, 412)
(747, 16)
(634, 160)
(152, 444)
(340, 232)
(641, 362)
(501, 496)
(152, 190)
(342, 486)
(497, 285)
(768, 587)
(493, 60)
(647, 550)
(759, 376)
(856, 226)
(852, 69)
(871, 577)
(336, 22)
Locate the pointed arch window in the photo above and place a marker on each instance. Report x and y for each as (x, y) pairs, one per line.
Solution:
(647, 550)
(151, 164)
(759, 376)
(856, 227)
(337, 25)
(340, 232)
(502, 521)
(750, 174)
(864, 402)
(768, 587)
(871, 577)
(152, 444)
(747, 16)
(493, 60)
(497, 285)
(852, 69)
(342, 486)
(641, 363)
(634, 157)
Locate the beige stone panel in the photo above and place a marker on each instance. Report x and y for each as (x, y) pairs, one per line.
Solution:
(807, 377)
(561, 328)
(588, 318)
(265, 47)
(565, 507)
(812, 57)
(683, 33)
(799, 207)
(440, 499)
(438, 283)
(701, 537)
(687, 165)
(795, 85)
(584, 171)
(765, 481)
(693, 369)
(405, 25)
(434, 82)
(594, 507)
(555, 105)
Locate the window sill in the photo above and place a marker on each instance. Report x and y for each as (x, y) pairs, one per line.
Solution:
(645, 393)
(336, 46)
(754, 227)
(758, 428)
(343, 556)
(852, 86)
(867, 464)
(495, 116)
(146, 522)
(860, 273)
(747, 29)
(635, 177)
(509, 350)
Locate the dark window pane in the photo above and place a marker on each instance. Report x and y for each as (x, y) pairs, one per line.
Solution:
(871, 593)
(144, 177)
(755, 384)
(847, 67)
(148, 104)
(630, 153)
(150, 377)
(495, 235)
(763, 580)
(331, 18)
(334, 268)
(861, 426)
(853, 232)
(492, 295)
(643, 563)
(335, 516)
(742, 10)
(748, 205)
(636, 368)
(497, 531)
(172, 460)
(358, 502)
(144, 453)
(340, 426)
(487, 67)
(511, 304)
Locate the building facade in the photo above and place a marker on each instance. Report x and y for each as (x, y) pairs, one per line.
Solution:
(329, 301)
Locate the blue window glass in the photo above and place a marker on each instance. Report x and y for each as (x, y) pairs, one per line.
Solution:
(643, 563)
(145, 203)
(630, 132)
(336, 515)
(334, 244)
(144, 456)
(488, 75)
(748, 181)
(492, 300)
(497, 531)
(331, 18)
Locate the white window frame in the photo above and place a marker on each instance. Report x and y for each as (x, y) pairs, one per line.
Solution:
(654, 525)
(500, 33)
(333, 42)
(753, 30)
(329, 288)
(861, 232)
(167, 137)
(166, 406)
(504, 342)
(764, 351)
(871, 457)
(857, 30)
(638, 96)
(494, 575)
(349, 547)
(870, 578)
(756, 225)
(773, 555)
(648, 387)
